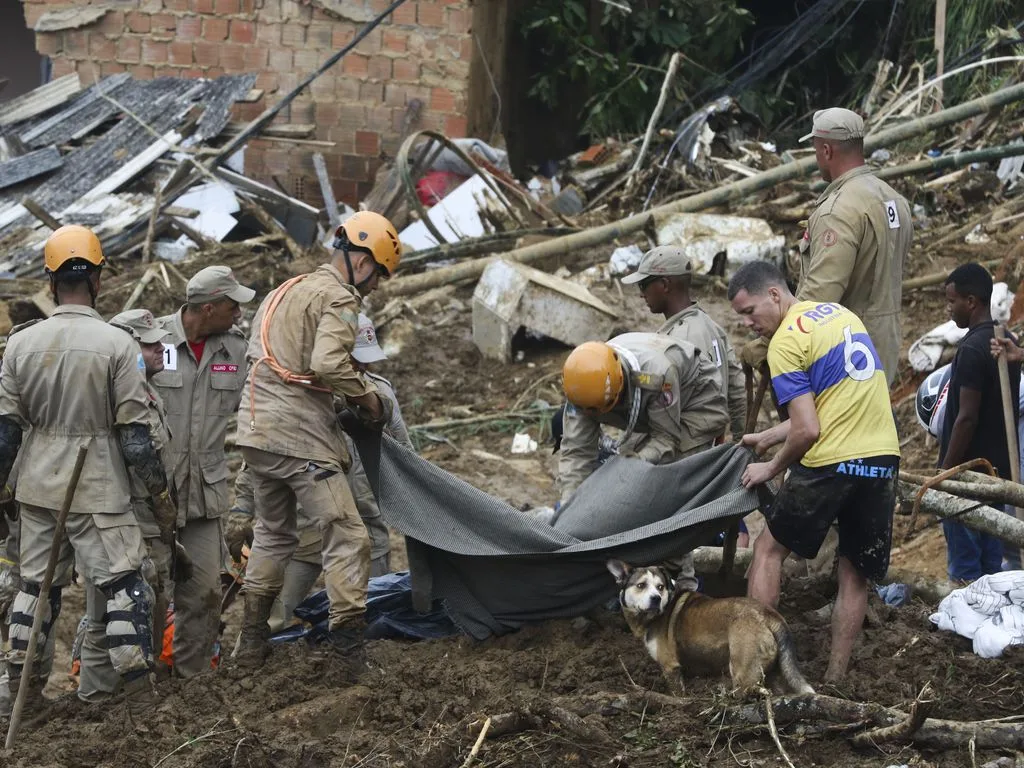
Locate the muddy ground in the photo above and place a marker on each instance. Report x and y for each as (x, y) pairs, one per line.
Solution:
(415, 706)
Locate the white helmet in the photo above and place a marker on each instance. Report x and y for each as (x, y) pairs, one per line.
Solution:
(931, 400)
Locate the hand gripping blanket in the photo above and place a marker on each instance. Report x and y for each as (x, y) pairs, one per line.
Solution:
(494, 567)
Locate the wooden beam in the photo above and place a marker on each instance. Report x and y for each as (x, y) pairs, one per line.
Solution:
(40, 213)
(326, 190)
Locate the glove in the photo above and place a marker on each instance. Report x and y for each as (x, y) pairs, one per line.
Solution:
(181, 565)
(165, 512)
(237, 533)
(8, 506)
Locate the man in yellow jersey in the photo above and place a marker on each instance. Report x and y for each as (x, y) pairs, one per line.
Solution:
(839, 444)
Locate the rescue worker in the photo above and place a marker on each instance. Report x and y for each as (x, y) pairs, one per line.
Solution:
(300, 355)
(664, 276)
(306, 565)
(660, 390)
(201, 385)
(858, 237)
(67, 382)
(166, 560)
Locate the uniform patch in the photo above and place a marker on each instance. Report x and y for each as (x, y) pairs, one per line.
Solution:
(170, 357)
(830, 237)
(892, 216)
(223, 368)
(667, 395)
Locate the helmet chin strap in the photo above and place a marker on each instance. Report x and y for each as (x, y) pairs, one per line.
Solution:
(351, 272)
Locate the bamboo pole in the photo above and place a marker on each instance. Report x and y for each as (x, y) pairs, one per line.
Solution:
(1010, 422)
(973, 514)
(997, 492)
(720, 195)
(939, 277)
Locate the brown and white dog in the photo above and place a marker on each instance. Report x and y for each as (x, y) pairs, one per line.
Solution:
(688, 629)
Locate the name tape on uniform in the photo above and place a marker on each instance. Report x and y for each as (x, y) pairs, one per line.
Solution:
(891, 214)
(170, 357)
(223, 368)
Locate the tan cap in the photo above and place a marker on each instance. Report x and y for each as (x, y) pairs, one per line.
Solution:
(837, 124)
(663, 261)
(215, 283)
(367, 350)
(141, 324)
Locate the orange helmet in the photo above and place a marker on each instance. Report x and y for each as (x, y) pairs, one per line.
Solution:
(592, 377)
(375, 234)
(72, 244)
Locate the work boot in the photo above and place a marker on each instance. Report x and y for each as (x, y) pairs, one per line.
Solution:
(35, 703)
(140, 695)
(348, 640)
(253, 640)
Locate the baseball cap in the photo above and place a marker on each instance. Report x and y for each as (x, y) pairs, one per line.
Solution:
(141, 324)
(367, 350)
(663, 261)
(215, 283)
(837, 124)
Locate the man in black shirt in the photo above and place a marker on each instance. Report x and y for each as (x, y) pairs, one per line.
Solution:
(974, 425)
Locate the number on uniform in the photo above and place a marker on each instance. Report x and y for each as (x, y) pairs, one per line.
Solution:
(849, 349)
(170, 357)
(891, 214)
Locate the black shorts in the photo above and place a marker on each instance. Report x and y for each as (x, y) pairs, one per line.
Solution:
(859, 494)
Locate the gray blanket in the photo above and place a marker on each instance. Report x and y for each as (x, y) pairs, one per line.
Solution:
(494, 567)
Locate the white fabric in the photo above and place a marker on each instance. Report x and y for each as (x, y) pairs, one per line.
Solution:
(990, 611)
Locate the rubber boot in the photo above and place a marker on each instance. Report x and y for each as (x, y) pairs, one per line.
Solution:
(348, 640)
(253, 640)
(35, 703)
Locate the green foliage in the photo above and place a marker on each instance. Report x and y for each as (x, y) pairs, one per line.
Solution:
(617, 58)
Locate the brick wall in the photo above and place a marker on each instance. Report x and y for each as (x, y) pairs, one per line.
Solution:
(422, 52)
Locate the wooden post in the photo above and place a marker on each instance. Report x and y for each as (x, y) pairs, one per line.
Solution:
(1011, 423)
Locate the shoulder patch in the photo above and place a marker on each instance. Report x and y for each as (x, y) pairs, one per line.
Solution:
(829, 237)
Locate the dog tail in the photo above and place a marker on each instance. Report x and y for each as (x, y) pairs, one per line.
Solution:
(788, 669)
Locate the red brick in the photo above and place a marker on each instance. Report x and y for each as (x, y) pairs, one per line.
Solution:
(405, 70)
(287, 79)
(346, 89)
(319, 35)
(111, 68)
(281, 59)
(306, 61)
(293, 35)
(226, 7)
(246, 112)
(455, 126)
(129, 49)
(367, 143)
(176, 5)
(48, 43)
(102, 48)
(379, 118)
(193, 72)
(153, 52)
(202, 6)
(395, 40)
(269, 34)
(112, 23)
(370, 44)
(459, 20)
(347, 191)
(141, 71)
(232, 57)
(62, 67)
(442, 100)
(243, 31)
(162, 22)
(379, 68)
(165, 71)
(341, 35)
(266, 81)
(76, 44)
(248, 7)
(429, 14)
(180, 54)
(255, 58)
(215, 72)
(215, 30)
(405, 14)
(355, 65)
(372, 93)
(351, 119)
(328, 113)
(303, 111)
(189, 28)
(207, 54)
(138, 22)
(321, 89)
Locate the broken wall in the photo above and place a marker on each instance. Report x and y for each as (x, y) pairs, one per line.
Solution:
(411, 72)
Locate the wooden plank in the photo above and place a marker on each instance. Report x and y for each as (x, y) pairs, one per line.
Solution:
(940, 47)
(262, 190)
(40, 100)
(288, 131)
(40, 213)
(254, 94)
(70, 18)
(326, 190)
(29, 166)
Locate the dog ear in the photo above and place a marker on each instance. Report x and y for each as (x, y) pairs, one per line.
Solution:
(619, 570)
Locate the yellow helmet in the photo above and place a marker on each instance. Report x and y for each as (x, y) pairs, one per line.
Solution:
(374, 233)
(72, 243)
(592, 377)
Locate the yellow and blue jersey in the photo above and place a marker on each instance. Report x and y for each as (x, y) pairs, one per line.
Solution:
(823, 349)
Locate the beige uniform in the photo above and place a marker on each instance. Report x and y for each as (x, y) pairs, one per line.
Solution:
(682, 409)
(294, 446)
(857, 242)
(694, 325)
(70, 381)
(201, 397)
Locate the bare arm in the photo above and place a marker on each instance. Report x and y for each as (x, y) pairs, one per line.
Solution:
(804, 429)
(963, 428)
